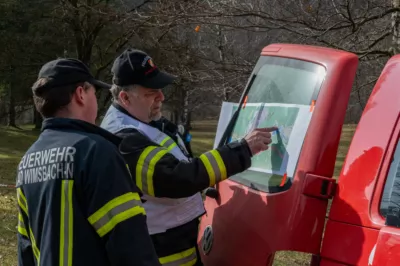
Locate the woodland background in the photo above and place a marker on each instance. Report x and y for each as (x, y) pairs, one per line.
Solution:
(212, 45)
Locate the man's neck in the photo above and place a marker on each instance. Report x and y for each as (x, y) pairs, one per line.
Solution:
(69, 115)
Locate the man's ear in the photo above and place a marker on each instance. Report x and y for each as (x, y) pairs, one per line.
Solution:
(79, 95)
(124, 98)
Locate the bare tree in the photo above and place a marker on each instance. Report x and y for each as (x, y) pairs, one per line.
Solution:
(369, 29)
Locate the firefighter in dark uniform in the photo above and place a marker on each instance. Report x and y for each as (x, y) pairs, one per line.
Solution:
(175, 131)
(170, 179)
(77, 202)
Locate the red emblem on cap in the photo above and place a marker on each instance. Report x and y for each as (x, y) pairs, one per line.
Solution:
(153, 67)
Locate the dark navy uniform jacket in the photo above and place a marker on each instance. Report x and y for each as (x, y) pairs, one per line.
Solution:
(77, 202)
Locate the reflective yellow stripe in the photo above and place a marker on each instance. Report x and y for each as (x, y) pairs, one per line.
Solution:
(190, 263)
(35, 249)
(221, 164)
(168, 143)
(150, 171)
(140, 164)
(22, 201)
(66, 230)
(22, 229)
(215, 166)
(170, 147)
(21, 226)
(209, 168)
(116, 211)
(145, 168)
(185, 258)
(164, 140)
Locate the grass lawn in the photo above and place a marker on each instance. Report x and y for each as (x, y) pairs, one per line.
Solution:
(14, 142)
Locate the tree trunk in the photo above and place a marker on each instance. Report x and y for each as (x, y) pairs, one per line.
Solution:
(395, 28)
(185, 107)
(188, 124)
(176, 117)
(85, 51)
(222, 61)
(11, 108)
(105, 104)
(3, 112)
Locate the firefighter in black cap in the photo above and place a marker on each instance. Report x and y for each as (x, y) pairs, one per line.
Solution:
(169, 177)
(77, 202)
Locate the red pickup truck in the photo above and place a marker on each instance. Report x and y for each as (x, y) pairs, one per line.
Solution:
(281, 204)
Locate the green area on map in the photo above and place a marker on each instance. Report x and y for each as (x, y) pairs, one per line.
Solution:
(261, 116)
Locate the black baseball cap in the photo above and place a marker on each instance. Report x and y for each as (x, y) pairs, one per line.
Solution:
(136, 67)
(67, 71)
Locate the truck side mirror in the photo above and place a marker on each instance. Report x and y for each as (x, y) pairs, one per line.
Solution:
(393, 216)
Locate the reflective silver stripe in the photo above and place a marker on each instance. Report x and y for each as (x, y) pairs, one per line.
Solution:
(22, 201)
(66, 234)
(191, 257)
(21, 225)
(115, 211)
(145, 169)
(35, 249)
(66, 223)
(66, 218)
(113, 218)
(214, 165)
(21, 221)
(168, 143)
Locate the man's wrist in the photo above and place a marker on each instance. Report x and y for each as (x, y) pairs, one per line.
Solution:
(246, 145)
(242, 144)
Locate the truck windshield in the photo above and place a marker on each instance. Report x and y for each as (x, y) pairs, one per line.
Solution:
(282, 94)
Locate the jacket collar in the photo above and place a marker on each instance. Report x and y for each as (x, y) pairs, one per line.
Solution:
(124, 111)
(58, 123)
(163, 124)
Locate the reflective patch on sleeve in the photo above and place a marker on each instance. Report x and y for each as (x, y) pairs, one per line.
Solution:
(115, 212)
(22, 201)
(215, 166)
(145, 168)
(21, 226)
(168, 143)
(36, 251)
(185, 258)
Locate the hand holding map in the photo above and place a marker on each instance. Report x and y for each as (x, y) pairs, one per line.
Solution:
(259, 139)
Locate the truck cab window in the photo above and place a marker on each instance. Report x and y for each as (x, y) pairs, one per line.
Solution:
(390, 202)
(280, 95)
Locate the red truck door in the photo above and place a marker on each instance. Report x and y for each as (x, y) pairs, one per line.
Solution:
(280, 203)
(364, 220)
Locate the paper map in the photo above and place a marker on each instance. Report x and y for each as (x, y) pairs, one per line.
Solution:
(292, 122)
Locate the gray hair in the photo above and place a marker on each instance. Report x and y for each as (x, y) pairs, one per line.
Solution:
(115, 90)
